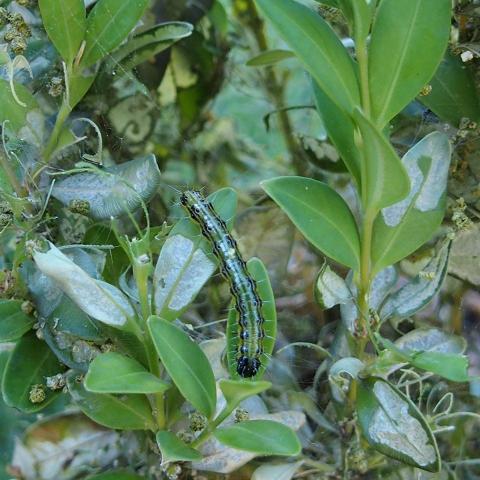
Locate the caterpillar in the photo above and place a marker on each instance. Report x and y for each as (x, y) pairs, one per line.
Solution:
(242, 286)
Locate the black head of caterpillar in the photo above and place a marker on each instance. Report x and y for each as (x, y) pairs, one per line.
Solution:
(242, 286)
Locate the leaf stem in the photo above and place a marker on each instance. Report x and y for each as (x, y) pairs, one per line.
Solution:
(362, 59)
(63, 113)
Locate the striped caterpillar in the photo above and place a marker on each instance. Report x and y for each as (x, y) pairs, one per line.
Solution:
(242, 286)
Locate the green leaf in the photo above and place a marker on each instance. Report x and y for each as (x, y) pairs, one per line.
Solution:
(359, 14)
(115, 373)
(270, 57)
(340, 129)
(65, 22)
(263, 437)
(318, 47)
(320, 214)
(181, 271)
(108, 24)
(174, 450)
(407, 225)
(144, 46)
(331, 289)
(398, 68)
(416, 294)
(186, 364)
(454, 95)
(123, 412)
(259, 273)
(11, 110)
(30, 362)
(386, 180)
(235, 391)
(433, 351)
(78, 87)
(112, 191)
(13, 322)
(116, 475)
(394, 426)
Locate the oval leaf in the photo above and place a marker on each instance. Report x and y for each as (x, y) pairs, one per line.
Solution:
(259, 273)
(16, 114)
(65, 22)
(320, 214)
(331, 289)
(318, 47)
(405, 226)
(112, 191)
(123, 412)
(180, 273)
(174, 450)
(263, 437)
(454, 94)
(417, 293)
(100, 300)
(398, 69)
(13, 321)
(386, 180)
(282, 471)
(116, 475)
(270, 57)
(115, 373)
(186, 364)
(29, 363)
(394, 426)
(108, 24)
(235, 391)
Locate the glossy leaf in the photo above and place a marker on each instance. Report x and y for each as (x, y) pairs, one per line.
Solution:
(359, 15)
(115, 373)
(386, 181)
(454, 94)
(259, 273)
(318, 47)
(96, 298)
(340, 129)
(331, 289)
(270, 57)
(181, 271)
(186, 364)
(29, 363)
(144, 46)
(123, 412)
(14, 323)
(394, 426)
(263, 437)
(398, 68)
(320, 214)
(407, 225)
(108, 24)
(112, 191)
(236, 391)
(277, 471)
(419, 291)
(79, 85)
(174, 450)
(65, 22)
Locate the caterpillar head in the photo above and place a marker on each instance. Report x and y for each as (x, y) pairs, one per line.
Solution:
(248, 367)
(191, 197)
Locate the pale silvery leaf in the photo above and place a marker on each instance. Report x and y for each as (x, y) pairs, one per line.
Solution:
(464, 259)
(114, 190)
(393, 425)
(339, 373)
(279, 471)
(431, 340)
(381, 286)
(425, 193)
(98, 299)
(417, 293)
(181, 271)
(331, 289)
